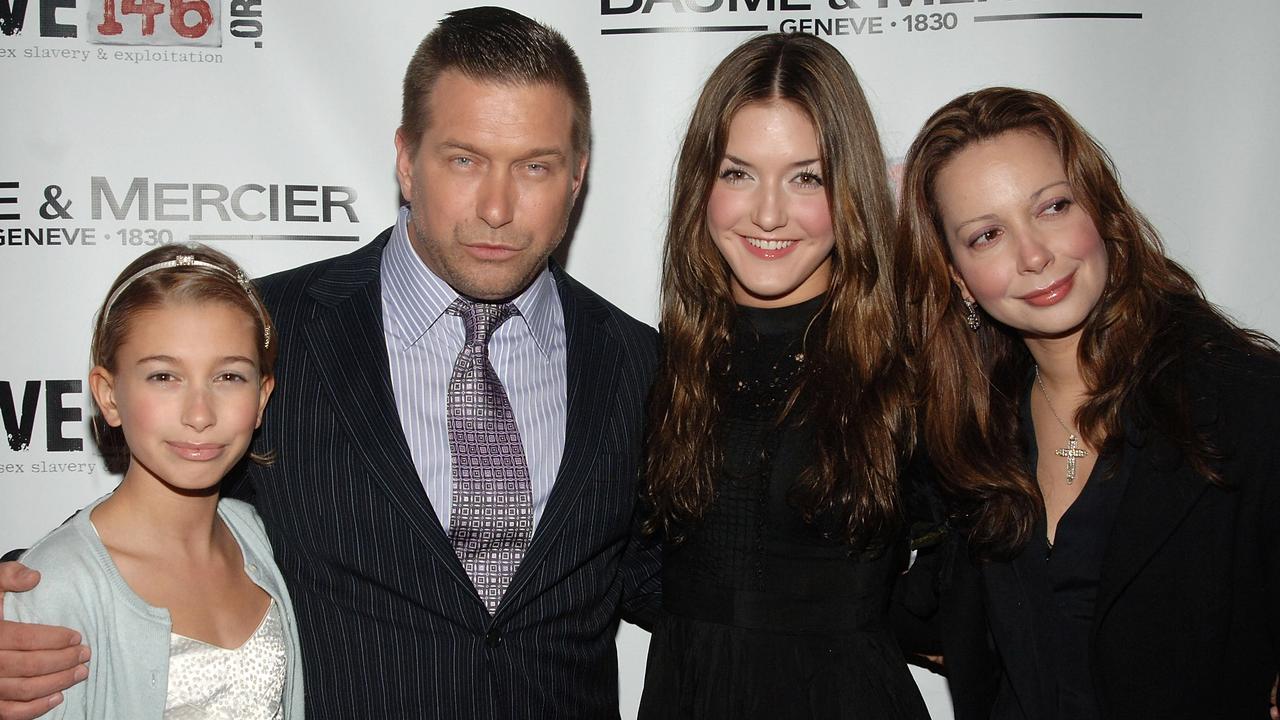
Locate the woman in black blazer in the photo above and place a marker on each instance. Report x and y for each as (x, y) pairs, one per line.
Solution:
(1105, 438)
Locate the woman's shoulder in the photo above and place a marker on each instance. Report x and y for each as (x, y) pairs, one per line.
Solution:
(73, 575)
(239, 510)
(247, 526)
(245, 522)
(259, 558)
(73, 544)
(1235, 376)
(1210, 356)
(1232, 395)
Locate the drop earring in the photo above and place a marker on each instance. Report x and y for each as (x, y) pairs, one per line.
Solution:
(971, 317)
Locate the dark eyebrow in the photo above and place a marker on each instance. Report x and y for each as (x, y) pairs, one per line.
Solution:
(739, 161)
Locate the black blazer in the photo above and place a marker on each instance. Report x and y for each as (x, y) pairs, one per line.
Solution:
(1187, 620)
(391, 625)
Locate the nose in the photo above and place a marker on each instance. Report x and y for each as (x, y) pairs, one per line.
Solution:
(197, 410)
(1033, 254)
(770, 210)
(496, 198)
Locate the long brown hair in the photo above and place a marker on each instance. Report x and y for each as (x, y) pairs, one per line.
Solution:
(970, 383)
(860, 416)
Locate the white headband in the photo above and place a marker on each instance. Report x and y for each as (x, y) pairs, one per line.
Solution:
(191, 261)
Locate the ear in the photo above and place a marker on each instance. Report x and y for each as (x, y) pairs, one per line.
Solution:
(404, 165)
(264, 394)
(102, 385)
(581, 175)
(959, 281)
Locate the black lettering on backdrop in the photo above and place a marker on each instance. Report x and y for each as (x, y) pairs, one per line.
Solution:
(624, 7)
(606, 7)
(244, 23)
(884, 4)
(56, 414)
(18, 427)
(52, 209)
(12, 16)
(49, 25)
(9, 199)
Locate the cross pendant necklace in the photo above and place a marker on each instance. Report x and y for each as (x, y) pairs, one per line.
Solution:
(1072, 451)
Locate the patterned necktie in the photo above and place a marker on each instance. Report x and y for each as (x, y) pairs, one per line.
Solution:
(491, 519)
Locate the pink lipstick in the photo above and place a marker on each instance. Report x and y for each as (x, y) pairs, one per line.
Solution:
(768, 249)
(1053, 293)
(199, 452)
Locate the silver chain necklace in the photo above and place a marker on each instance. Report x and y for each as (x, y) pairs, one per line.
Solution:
(1072, 451)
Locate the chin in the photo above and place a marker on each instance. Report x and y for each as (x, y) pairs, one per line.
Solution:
(770, 294)
(767, 292)
(1052, 330)
(773, 287)
(494, 284)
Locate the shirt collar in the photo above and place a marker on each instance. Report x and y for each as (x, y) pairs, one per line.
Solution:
(414, 298)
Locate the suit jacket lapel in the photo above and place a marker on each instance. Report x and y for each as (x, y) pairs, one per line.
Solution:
(348, 347)
(1161, 490)
(591, 368)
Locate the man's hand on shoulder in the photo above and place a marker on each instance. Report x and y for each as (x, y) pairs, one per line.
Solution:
(37, 662)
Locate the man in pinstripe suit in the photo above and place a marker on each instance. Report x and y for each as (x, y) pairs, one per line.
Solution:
(491, 153)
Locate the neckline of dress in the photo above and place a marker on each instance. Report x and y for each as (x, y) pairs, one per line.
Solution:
(262, 624)
(785, 320)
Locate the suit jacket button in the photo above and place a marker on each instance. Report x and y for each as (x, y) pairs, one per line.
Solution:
(493, 638)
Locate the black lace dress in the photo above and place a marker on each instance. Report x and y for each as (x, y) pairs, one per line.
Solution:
(765, 618)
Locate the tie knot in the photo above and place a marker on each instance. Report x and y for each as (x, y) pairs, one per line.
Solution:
(481, 318)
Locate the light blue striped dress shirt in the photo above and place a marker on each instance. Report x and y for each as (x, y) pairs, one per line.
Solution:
(423, 341)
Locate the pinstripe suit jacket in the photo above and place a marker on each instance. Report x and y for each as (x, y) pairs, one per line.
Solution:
(390, 624)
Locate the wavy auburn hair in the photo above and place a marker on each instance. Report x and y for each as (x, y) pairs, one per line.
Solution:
(1150, 317)
(859, 410)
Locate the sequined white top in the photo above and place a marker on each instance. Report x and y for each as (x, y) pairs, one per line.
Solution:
(208, 682)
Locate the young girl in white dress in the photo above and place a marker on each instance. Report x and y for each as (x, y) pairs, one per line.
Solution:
(174, 589)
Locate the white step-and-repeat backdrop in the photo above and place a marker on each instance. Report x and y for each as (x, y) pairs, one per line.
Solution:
(264, 127)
